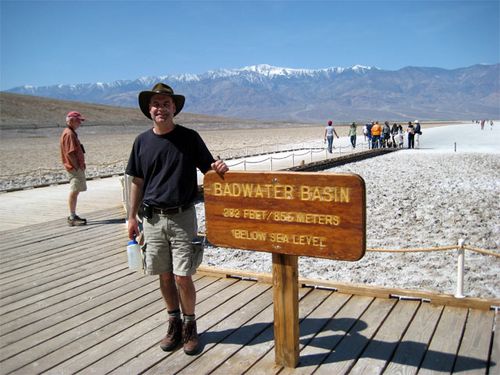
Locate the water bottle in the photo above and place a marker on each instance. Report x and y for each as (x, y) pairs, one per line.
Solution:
(134, 255)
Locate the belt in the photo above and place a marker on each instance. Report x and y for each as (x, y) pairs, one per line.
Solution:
(171, 210)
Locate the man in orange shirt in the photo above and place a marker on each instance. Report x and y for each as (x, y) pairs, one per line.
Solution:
(73, 159)
(376, 132)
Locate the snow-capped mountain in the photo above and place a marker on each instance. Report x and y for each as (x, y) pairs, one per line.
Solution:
(279, 93)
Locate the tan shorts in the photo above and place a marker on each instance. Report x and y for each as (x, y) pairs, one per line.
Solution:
(77, 180)
(169, 244)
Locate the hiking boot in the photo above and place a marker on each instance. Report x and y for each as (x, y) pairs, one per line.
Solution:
(174, 335)
(190, 338)
(76, 221)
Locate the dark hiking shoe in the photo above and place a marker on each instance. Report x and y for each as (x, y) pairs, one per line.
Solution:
(174, 335)
(190, 338)
(76, 221)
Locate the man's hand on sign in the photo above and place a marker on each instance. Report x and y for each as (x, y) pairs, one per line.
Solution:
(219, 166)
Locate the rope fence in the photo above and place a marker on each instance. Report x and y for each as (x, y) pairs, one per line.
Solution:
(460, 248)
(51, 176)
(308, 152)
(439, 248)
(39, 171)
(460, 258)
(414, 250)
(238, 152)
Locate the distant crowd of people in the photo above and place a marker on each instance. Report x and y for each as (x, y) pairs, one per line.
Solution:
(387, 136)
(483, 122)
(379, 136)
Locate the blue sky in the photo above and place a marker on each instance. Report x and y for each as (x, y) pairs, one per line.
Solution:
(53, 42)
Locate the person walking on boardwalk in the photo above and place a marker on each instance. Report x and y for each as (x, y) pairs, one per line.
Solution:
(386, 134)
(329, 132)
(352, 134)
(411, 135)
(163, 164)
(73, 159)
(394, 133)
(376, 133)
(369, 133)
(418, 133)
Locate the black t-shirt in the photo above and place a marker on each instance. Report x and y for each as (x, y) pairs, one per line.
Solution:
(168, 163)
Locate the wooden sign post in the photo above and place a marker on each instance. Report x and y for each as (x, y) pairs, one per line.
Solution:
(288, 214)
(286, 309)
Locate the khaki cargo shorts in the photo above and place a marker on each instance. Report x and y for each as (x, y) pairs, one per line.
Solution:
(169, 246)
(77, 180)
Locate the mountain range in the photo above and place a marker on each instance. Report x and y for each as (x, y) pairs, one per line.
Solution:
(265, 92)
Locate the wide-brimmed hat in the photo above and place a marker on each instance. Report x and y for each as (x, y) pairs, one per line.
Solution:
(160, 88)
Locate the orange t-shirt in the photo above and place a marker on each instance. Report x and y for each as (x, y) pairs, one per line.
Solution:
(376, 130)
(71, 145)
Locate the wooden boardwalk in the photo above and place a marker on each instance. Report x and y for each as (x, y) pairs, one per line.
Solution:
(69, 304)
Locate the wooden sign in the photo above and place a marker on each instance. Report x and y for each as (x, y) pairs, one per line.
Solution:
(296, 213)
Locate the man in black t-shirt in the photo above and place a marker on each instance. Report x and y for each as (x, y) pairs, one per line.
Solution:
(163, 165)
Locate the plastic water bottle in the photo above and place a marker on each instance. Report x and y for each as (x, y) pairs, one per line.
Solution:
(134, 255)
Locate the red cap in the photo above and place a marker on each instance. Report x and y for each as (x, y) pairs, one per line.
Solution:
(330, 122)
(75, 114)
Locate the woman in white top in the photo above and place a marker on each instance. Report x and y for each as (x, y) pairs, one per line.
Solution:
(329, 132)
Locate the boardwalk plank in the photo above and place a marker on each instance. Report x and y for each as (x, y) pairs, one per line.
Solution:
(494, 365)
(51, 223)
(55, 266)
(52, 265)
(105, 333)
(316, 321)
(473, 354)
(41, 292)
(45, 342)
(263, 343)
(322, 344)
(445, 342)
(61, 251)
(114, 335)
(142, 337)
(92, 285)
(381, 348)
(244, 335)
(412, 348)
(217, 307)
(246, 307)
(52, 244)
(54, 315)
(357, 339)
(78, 341)
(33, 234)
(74, 306)
(233, 342)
